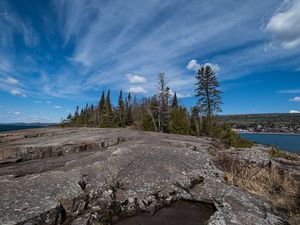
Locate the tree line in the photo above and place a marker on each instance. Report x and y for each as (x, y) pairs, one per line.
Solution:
(162, 112)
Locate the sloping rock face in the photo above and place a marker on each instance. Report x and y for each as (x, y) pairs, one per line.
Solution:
(114, 176)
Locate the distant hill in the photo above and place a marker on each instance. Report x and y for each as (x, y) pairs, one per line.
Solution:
(262, 118)
(269, 122)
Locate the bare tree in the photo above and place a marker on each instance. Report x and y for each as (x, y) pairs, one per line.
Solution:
(163, 94)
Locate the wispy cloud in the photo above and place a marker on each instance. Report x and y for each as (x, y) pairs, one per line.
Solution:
(295, 99)
(16, 92)
(294, 111)
(57, 107)
(285, 24)
(11, 23)
(137, 90)
(290, 91)
(195, 66)
(11, 80)
(160, 41)
(136, 79)
(84, 47)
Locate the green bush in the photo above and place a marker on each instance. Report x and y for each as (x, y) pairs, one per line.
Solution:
(276, 153)
(229, 137)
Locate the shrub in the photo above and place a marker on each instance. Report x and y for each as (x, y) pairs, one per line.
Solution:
(229, 137)
(276, 153)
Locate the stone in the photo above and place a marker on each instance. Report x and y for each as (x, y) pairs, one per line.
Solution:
(102, 176)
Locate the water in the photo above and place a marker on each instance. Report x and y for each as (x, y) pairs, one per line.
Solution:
(286, 142)
(11, 127)
(178, 213)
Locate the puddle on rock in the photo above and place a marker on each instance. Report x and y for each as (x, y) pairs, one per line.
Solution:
(178, 213)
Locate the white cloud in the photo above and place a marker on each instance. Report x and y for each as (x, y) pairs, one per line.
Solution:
(295, 99)
(136, 79)
(285, 24)
(15, 92)
(17, 113)
(290, 91)
(195, 66)
(11, 80)
(180, 95)
(137, 90)
(57, 107)
(294, 111)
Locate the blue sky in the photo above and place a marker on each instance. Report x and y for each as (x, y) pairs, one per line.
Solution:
(57, 54)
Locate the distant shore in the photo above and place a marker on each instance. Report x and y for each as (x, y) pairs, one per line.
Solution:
(253, 132)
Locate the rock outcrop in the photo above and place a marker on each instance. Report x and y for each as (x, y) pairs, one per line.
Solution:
(122, 176)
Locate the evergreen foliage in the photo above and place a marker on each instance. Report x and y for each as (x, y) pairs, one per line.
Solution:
(159, 114)
(209, 99)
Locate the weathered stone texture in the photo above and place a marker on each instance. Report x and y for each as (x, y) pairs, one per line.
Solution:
(96, 176)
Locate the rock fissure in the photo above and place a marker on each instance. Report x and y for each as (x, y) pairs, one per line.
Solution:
(141, 178)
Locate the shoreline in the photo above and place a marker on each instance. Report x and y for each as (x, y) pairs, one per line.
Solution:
(251, 132)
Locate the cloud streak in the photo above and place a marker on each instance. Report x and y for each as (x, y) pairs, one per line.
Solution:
(285, 24)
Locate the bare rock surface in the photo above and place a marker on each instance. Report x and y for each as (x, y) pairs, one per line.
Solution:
(107, 176)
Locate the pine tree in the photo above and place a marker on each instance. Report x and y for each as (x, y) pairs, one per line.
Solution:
(175, 101)
(121, 110)
(107, 115)
(108, 103)
(209, 99)
(101, 109)
(179, 121)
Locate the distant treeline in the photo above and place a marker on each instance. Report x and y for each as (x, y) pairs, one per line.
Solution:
(162, 112)
(269, 122)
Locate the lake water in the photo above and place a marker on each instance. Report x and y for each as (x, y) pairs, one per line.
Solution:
(10, 127)
(282, 141)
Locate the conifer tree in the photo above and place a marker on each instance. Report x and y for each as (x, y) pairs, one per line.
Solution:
(108, 115)
(121, 110)
(209, 99)
(175, 101)
(108, 103)
(101, 109)
(179, 121)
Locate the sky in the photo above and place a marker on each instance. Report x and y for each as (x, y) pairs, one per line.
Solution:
(55, 55)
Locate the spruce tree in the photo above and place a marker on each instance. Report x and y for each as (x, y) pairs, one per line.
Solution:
(209, 97)
(179, 121)
(108, 103)
(175, 101)
(101, 109)
(121, 110)
(108, 115)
